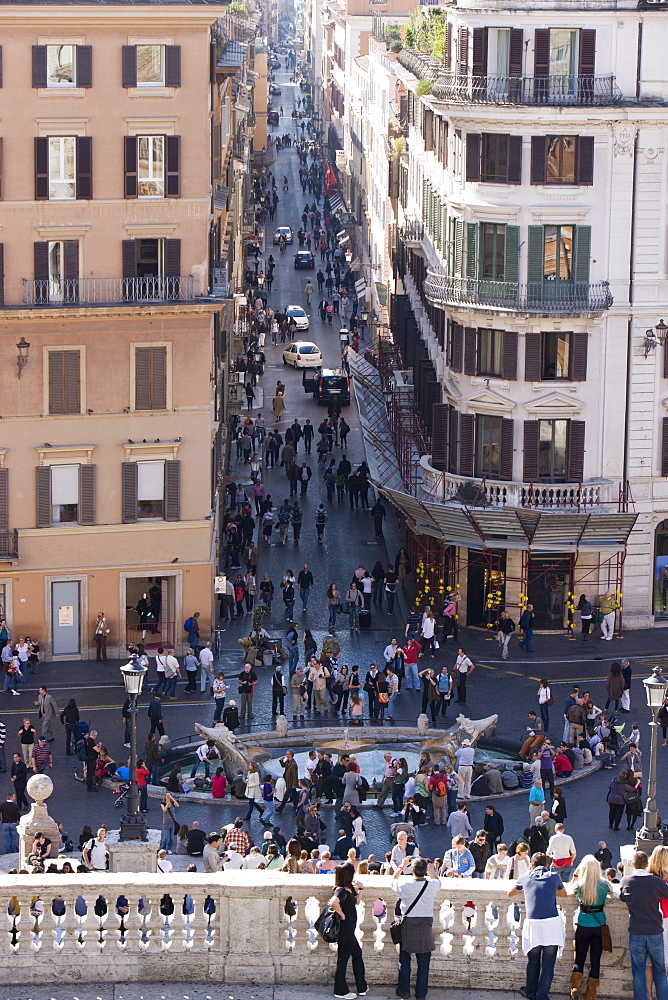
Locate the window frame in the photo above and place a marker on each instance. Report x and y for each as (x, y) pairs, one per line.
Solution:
(142, 84)
(480, 471)
(559, 245)
(559, 179)
(152, 140)
(551, 476)
(62, 158)
(494, 139)
(556, 335)
(496, 348)
(56, 523)
(162, 501)
(66, 85)
(498, 256)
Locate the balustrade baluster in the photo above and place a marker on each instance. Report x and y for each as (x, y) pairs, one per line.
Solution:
(301, 926)
(199, 921)
(69, 924)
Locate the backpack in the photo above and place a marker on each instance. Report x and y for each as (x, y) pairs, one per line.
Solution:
(441, 787)
(321, 517)
(283, 517)
(188, 624)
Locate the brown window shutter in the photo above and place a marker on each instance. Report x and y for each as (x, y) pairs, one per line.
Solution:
(1, 161)
(71, 271)
(578, 371)
(172, 258)
(129, 488)
(172, 491)
(84, 66)
(480, 51)
(456, 347)
(39, 65)
(72, 387)
(41, 261)
(172, 65)
(473, 141)
(541, 52)
(57, 382)
(439, 436)
(173, 166)
(514, 159)
(151, 378)
(470, 338)
(41, 168)
(587, 59)
(538, 159)
(463, 54)
(453, 440)
(584, 159)
(516, 51)
(428, 126)
(531, 445)
(2, 274)
(664, 447)
(506, 451)
(509, 356)
(575, 455)
(466, 425)
(84, 167)
(43, 496)
(129, 259)
(532, 354)
(130, 148)
(129, 64)
(4, 499)
(86, 494)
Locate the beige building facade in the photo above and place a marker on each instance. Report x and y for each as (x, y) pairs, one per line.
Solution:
(108, 482)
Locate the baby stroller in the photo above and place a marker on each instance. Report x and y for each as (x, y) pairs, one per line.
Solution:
(121, 794)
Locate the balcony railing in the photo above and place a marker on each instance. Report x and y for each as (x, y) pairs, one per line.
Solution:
(412, 231)
(477, 492)
(530, 90)
(203, 924)
(107, 291)
(9, 544)
(539, 297)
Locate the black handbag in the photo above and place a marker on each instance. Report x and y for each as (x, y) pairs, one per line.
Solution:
(396, 925)
(328, 925)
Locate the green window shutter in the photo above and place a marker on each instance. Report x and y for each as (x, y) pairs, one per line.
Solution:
(511, 257)
(425, 187)
(582, 254)
(535, 255)
(471, 249)
(459, 248)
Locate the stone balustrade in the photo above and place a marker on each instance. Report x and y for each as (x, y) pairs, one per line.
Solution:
(233, 927)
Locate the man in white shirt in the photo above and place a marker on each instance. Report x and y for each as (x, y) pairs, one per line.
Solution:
(465, 756)
(561, 850)
(232, 860)
(389, 771)
(417, 938)
(310, 766)
(172, 675)
(253, 859)
(96, 852)
(206, 667)
(393, 685)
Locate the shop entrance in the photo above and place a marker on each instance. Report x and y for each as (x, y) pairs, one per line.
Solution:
(486, 575)
(660, 588)
(65, 618)
(149, 611)
(549, 583)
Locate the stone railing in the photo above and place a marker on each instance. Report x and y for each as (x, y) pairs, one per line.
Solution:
(235, 929)
(494, 493)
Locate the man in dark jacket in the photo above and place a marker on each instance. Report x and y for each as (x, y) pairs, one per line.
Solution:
(92, 751)
(19, 775)
(527, 619)
(155, 715)
(342, 846)
(493, 826)
(481, 852)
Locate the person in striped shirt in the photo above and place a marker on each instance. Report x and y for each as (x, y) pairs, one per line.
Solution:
(41, 756)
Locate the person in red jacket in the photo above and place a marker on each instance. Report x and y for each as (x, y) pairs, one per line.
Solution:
(411, 652)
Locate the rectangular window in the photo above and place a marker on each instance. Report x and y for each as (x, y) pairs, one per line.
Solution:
(150, 378)
(490, 352)
(64, 494)
(556, 356)
(62, 167)
(558, 253)
(561, 159)
(488, 446)
(151, 166)
(150, 491)
(64, 382)
(494, 158)
(150, 66)
(61, 65)
(563, 52)
(492, 258)
(552, 438)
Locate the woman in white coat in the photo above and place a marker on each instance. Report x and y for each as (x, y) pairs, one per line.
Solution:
(253, 790)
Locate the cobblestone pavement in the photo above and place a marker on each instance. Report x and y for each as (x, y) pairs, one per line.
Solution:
(214, 991)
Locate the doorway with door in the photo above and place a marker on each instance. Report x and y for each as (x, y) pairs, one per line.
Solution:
(548, 587)
(66, 617)
(149, 611)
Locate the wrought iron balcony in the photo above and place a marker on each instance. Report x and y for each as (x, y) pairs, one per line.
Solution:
(599, 91)
(108, 291)
(539, 297)
(9, 544)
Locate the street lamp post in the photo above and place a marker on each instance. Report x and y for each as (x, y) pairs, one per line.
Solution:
(650, 836)
(132, 824)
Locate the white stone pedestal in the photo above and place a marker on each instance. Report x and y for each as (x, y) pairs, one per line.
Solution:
(39, 788)
(133, 855)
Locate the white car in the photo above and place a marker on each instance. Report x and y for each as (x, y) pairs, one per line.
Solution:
(299, 315)
(302, 354)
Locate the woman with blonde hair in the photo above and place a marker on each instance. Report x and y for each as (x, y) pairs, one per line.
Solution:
(658, 865)
(591, 892)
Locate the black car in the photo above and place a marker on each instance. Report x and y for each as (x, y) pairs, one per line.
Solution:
(304, 260)
(333, 383)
